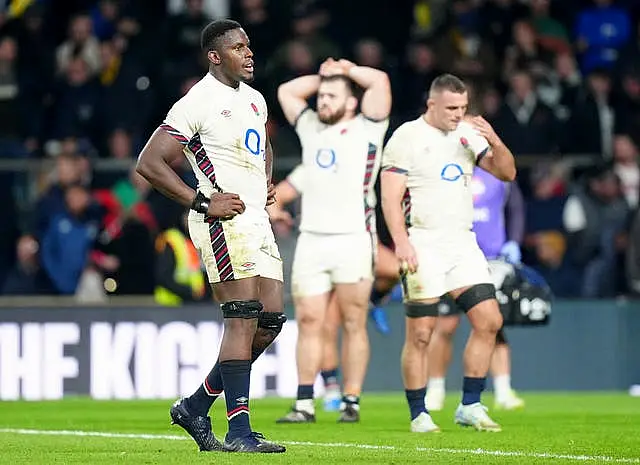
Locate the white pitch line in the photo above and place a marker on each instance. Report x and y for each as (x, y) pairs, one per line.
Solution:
(437, 450)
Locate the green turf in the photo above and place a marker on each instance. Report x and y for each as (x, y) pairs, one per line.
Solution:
(589, 425)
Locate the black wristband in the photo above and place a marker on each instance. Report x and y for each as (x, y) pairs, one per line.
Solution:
(200, 203)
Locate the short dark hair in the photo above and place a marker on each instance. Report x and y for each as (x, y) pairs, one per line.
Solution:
(447, 82)
(354, 88)
(214, 30)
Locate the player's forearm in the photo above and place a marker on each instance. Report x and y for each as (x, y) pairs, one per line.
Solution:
(397, 228)
(162, 177)
(367, 77)
(392, 189)
(394, 217)
(504, 165)
(299, 88)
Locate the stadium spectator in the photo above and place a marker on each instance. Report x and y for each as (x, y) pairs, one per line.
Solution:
(625, 155)
(461, 49)
(498, 16)
(526, 54)
(80, 44)
(602, 31)
(590, 127)
(182, 34)
(69, 240)
(67, 172)
(421, 67)
(124, 85)
(104, 17)
(78, 103)
(529, 126)
(552, 263)
(559, 88)
(627, 108)
(266, 26)
(548, 196)
(27, 276)
(12, 131)
(178, 275)
(552, 35)
(595, 216)
(129, 227)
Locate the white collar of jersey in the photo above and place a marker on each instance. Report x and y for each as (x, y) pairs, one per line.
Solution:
(222, 85)
(431, 126)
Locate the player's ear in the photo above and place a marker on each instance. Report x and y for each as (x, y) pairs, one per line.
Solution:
(352, 103)
(214, 57)
(430, 102)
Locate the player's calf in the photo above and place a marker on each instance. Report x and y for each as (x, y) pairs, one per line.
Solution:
(239, 316)
(480, 305)
(269, 326)
(421, 319)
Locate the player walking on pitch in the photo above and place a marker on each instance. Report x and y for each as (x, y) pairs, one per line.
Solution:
(499, 226)
(427, 168)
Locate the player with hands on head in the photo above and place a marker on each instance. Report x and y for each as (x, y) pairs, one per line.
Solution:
(341, 150)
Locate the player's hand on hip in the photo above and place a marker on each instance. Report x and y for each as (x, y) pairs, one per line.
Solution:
(407, 257)
(271, 194)
(225, 205)
(484, 129)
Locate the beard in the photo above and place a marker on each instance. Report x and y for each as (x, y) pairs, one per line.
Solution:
(332, 118)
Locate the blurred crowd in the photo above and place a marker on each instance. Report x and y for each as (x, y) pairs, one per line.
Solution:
(84, 80)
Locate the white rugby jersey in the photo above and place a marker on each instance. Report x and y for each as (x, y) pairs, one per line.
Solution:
(340, 165)
(223, 131)
(439, 166)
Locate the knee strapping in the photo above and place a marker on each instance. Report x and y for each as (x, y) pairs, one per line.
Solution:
(272, 320)
(474, 295)
(418, 310)
(247, 309)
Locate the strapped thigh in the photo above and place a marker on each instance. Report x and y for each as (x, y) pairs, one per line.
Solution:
(419, 310)
(475, 295)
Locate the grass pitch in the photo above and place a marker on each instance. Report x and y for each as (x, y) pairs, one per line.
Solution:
(553, 428)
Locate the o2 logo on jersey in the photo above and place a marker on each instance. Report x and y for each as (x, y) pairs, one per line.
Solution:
(452, 172)
(253, 143)
(326, 158)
